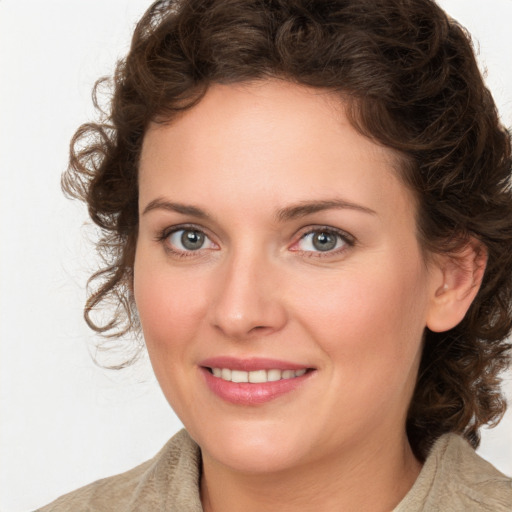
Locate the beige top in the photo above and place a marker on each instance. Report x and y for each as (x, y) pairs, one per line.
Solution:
(453, 479)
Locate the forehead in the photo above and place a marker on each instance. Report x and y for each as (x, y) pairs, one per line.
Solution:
(271, 139)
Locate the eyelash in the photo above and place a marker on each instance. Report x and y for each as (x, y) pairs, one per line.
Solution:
(347, 239)
(166, 233)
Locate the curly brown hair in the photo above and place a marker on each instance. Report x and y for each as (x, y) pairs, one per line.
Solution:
(409, 75)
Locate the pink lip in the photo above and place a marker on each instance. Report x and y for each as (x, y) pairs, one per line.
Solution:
(251, 364)
(244, 393)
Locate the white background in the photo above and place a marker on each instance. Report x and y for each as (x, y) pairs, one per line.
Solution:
(64, 421)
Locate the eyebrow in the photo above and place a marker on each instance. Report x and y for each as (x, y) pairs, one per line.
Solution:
(309, 207)
(185, 209)
(302, 209)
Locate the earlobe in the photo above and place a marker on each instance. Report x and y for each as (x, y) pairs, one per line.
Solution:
(460, 278)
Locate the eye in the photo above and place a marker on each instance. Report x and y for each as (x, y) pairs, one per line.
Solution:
(189, 239)
(323, 240)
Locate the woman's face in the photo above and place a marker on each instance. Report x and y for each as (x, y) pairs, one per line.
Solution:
(278, 243)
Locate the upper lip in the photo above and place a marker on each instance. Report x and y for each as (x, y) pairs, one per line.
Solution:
(250, 364)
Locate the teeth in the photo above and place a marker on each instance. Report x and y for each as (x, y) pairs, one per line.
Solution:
(239, 376)
(273, 375)
(257, 376)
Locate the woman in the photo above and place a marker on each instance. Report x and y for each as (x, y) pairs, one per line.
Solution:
(306, 209)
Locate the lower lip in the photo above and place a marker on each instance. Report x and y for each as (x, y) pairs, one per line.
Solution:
(244, 393)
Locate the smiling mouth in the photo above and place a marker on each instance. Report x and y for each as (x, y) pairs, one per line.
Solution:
(256, 376)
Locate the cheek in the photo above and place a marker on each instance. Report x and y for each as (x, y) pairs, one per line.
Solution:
(169, 304)
(371, 317)
(370, 326)
(170, 307)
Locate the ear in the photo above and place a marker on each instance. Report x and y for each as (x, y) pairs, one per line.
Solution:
(458, 279)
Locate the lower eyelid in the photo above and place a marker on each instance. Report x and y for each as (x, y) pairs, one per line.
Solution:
(174, 249)
(346, 241)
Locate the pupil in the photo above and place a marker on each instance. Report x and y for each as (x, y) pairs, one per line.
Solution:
(192, 240)
(324, 241)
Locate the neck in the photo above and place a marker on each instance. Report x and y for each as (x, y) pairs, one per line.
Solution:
(374, 478)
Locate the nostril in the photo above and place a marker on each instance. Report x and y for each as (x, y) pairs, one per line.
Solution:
(260, 330)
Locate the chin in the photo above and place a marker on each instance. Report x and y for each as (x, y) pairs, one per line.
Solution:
(251, 449)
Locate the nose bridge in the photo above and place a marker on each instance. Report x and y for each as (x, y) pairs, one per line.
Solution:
(247, 299)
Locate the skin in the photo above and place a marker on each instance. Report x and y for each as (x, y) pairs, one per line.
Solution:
(258, 288)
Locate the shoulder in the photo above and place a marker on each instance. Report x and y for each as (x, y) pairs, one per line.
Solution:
(456, 479)
(169, 481)
(473, 479)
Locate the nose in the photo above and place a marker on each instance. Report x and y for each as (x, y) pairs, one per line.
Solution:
(248, 301)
